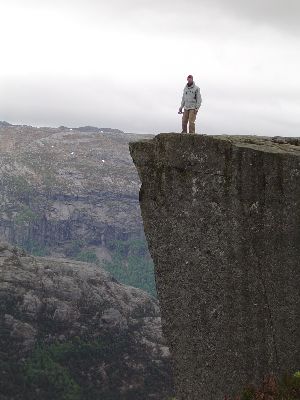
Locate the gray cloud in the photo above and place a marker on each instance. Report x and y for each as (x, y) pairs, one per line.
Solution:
(123, 64)
(278, 13)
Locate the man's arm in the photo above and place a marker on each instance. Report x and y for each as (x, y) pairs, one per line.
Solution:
(182, 102)
(198, 99)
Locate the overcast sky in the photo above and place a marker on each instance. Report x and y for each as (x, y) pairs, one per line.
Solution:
(123, 64)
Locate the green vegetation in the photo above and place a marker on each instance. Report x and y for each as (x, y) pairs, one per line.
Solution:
(78, 369)
(18, 185)
(87, 256)
(25, 215)
(131, 264)
(35, 248)
(43, 374)
(74, 247)
(56, 371)
(76, 250)
(49, 179)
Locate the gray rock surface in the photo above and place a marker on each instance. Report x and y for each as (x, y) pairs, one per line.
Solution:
(44, 301)
(222, 220)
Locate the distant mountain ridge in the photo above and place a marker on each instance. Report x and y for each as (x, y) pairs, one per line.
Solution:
(4, 124)
(87, 128)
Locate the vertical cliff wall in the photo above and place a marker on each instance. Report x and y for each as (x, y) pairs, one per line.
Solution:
(222, 219)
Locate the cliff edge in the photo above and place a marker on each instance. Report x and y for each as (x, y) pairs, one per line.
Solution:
(222, 220)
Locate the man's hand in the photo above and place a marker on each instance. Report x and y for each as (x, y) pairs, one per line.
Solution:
(196, 110)
(180, 110)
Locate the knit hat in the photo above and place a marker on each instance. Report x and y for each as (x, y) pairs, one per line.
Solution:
(190, 76)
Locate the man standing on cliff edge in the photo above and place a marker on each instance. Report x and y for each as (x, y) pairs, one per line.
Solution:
(191, 101)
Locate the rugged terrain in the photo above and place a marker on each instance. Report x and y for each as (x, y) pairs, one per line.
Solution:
(64, 185)
(221, 217)
(69, 331)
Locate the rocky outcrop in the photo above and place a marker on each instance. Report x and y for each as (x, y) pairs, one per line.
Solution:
(221, 216)
(103, 339)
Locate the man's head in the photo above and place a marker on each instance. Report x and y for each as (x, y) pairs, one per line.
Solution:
(190, 79)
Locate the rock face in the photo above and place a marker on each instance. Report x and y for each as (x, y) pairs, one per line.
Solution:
(103, 338)
(222, 216)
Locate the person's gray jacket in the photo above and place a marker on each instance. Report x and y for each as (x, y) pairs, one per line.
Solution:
(191, 97)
